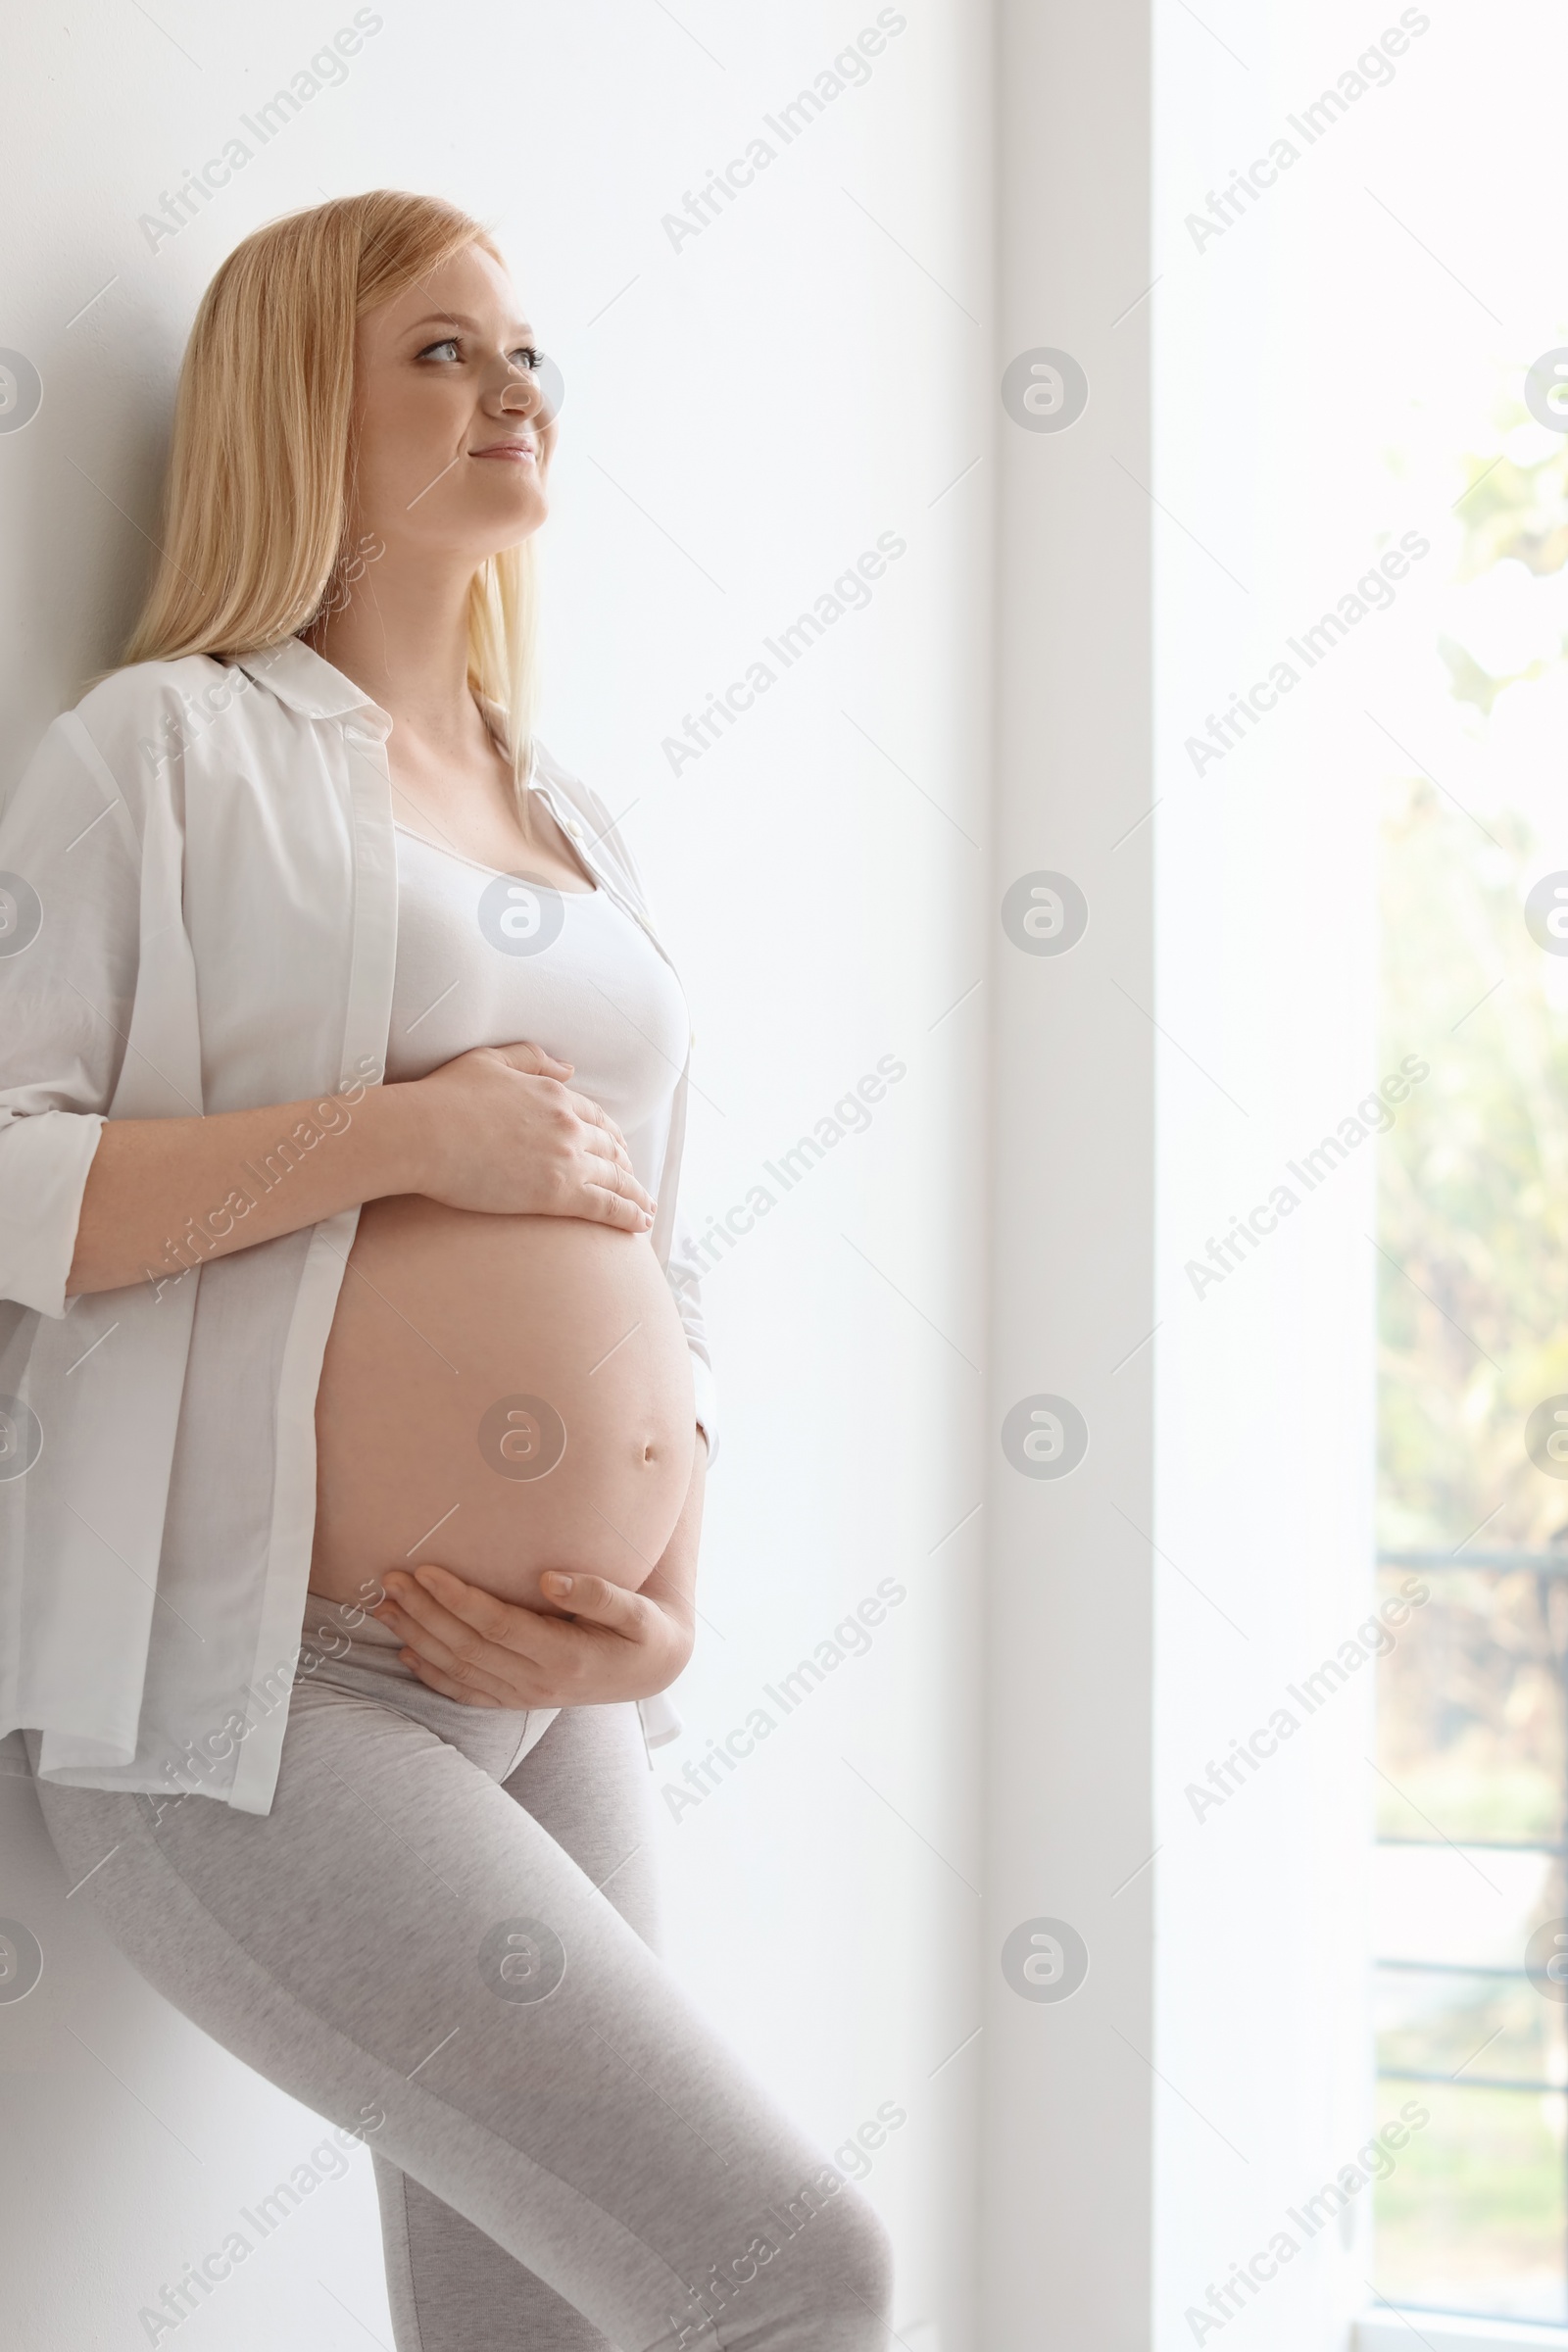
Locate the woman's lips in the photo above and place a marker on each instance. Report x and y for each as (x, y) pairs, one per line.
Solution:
(514, 453)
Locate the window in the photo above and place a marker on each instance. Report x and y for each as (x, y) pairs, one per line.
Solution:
(1472, 1750)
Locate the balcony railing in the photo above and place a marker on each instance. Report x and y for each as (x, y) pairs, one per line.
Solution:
(1473, 1764)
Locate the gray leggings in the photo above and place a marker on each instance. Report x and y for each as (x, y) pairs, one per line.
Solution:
(450, 1953)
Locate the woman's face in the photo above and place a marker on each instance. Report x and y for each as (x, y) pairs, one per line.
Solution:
(452, 443)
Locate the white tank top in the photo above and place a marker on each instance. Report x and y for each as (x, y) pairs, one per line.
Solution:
(485, 959)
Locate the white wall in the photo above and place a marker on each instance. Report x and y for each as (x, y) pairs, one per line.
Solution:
(1067, 2143)
(745, 413)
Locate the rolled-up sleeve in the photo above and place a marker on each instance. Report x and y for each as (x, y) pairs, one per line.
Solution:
(70, 920)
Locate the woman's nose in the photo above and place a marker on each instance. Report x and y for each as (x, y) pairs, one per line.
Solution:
(519, 394)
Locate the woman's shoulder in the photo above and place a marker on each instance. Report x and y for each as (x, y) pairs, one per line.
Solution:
(130, 734)
(125, 741)
(146, 704)
(117, 743)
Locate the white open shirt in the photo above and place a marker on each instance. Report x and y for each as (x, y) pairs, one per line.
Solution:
(198, 914)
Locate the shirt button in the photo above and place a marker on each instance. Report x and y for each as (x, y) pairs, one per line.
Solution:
(573, 828)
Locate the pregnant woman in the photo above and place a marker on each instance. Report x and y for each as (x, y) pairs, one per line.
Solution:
(353, 1397)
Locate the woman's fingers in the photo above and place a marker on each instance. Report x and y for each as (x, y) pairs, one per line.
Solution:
(488, 1677)
(604, 1135)
(598, 1599)
(617, 1174)
(461, 1616)
(472, 1616)
(610, 1168)
(612, 1172)
(610, 1191)
(473, 1637)
(536, 1150)
(533, 1061)
(603, 1158)
(596, 1116)
(618, 1197)
(486, 1652)
(453, 1607)
(607, 1207)
(613, 1194)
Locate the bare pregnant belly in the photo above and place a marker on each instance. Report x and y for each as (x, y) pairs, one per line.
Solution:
(501, 1396)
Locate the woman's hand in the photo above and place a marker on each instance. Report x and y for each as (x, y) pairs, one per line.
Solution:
(493, 1654)
(494, 1129)
(614, 1645)
(498, 1129)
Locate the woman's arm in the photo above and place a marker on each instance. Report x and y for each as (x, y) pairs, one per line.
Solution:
(615, 1646)
(496, 1129)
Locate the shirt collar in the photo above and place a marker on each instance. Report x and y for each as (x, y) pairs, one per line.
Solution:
(299, 676)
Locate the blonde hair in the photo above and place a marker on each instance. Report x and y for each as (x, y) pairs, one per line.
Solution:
(256, 502)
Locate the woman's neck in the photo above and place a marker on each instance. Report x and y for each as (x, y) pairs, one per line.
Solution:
(404, 639)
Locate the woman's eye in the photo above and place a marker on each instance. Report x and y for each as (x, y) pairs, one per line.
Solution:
(525, 354)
